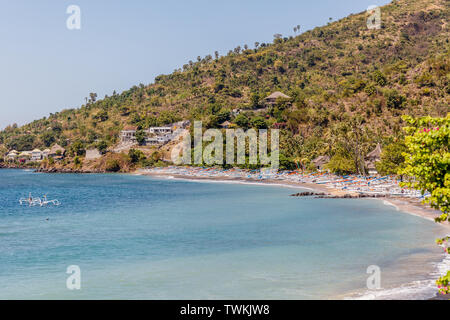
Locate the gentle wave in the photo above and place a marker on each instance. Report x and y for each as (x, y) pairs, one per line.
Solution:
(416, 290)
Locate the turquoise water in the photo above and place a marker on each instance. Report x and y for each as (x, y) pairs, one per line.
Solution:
(137, 237)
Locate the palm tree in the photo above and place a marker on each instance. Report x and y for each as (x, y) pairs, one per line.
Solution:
(93, 96)
(277, 35)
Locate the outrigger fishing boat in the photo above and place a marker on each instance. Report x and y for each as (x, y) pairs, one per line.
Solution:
(32, 202)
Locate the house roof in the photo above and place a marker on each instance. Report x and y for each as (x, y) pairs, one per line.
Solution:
(321, 160)
(36, 150)
(25, 154)
(57, 147)
(375, 153)
(278, 94)
(130, 128)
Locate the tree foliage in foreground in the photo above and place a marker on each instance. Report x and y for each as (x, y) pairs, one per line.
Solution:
(428, 162)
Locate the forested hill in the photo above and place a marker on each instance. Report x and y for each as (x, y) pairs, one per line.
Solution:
(345, 82)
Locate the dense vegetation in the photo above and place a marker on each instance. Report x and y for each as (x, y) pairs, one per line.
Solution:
(428, 161)
(348, 85)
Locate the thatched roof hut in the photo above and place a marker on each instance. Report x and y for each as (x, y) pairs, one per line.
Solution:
(321, 161)
(272, 99)
(375, 154)
(54, 150)
(371, 158)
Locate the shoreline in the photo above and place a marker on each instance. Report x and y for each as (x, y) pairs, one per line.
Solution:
(402, 204)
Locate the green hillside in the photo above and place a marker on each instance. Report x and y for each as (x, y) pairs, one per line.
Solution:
(348, 85)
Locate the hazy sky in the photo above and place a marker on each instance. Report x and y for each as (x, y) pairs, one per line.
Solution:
(45, 67)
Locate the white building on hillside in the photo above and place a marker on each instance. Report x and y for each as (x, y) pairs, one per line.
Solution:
(155, 135)
(45, 153)
(128, 134)
(12, 155)
(159, 130)
(36, 155)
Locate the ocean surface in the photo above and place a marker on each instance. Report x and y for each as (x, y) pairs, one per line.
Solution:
(137, 237)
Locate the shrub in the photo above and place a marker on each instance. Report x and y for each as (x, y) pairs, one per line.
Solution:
(341, 165)
(379, 78)
(394, 100)
(424, 80)
(112, 165)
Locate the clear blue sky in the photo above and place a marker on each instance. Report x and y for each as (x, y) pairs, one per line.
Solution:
(44, 67)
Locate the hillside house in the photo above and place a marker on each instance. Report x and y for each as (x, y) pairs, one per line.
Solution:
(320, 162)
(155, 135)
(24, 156)
(128, 134)
(372, 158)
(57, 152)
(159, 130)
(45, 153)
(272, 99)
(12, 155)
(36, 155)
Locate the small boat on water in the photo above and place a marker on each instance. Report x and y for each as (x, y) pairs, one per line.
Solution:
(32, 202)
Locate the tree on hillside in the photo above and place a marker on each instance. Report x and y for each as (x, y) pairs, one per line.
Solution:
(140, 137)
(48, 138)
(102, 146)
(21, 143)
(242, 121)
(77, 148)
(392, 158)
(353, 138)
(93, 97)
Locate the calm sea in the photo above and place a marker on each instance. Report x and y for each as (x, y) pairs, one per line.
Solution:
(136, 237)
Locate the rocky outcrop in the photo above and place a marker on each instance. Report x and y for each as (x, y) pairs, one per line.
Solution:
(67, 170)
(308, 194)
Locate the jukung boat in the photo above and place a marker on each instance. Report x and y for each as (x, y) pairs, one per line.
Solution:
(32, 202)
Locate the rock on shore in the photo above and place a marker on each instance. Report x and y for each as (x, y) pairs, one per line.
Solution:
(67, 170)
